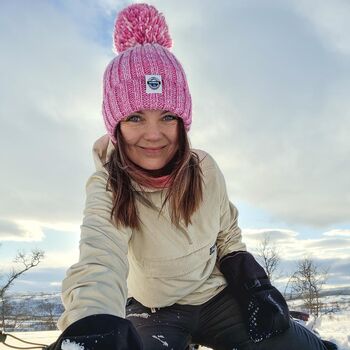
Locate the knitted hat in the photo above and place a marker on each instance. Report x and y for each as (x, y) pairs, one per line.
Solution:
(145, 74)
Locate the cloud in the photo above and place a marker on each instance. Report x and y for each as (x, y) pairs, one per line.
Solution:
(329, 243)
(55, 284)
(111, 6)
(60, 259)
(31, 230)
(336, 233)
(291, 246)
(341, 268)
(21, 230)
(50, 111)
(330, 21)
(39, 280)
(272, 234)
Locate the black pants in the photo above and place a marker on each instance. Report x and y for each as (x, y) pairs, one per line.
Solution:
(217, 324)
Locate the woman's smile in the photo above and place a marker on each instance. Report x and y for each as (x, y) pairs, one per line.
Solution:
(152, 150)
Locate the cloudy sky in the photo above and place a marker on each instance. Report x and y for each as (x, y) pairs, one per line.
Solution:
(269, 82)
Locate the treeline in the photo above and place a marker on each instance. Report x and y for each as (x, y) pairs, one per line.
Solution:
(37, 312)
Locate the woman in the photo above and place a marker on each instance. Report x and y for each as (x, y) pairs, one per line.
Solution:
(158, 223)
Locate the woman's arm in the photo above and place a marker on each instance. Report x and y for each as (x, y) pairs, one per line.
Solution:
(97, 283)
(263, 306)
(230, 236)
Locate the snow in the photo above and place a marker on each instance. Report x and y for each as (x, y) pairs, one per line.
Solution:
(335, 328)
(161, 339)
(143, 315)
(36, 337)
(68, 345)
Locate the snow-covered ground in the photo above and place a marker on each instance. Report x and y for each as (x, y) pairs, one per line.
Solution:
(45, 338)
(334, 327)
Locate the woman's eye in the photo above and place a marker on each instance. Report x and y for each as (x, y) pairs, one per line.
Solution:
(169, 117)
(133, 118)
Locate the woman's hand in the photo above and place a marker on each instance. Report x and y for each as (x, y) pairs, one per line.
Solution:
(99, 332)
(263, 306)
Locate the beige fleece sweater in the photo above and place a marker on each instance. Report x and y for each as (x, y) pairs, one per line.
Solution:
(158, 265)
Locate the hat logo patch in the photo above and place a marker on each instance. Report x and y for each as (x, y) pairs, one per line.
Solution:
(153, 84)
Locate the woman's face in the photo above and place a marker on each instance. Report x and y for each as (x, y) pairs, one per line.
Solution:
(151, 138)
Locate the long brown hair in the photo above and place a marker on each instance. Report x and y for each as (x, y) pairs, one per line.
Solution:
(184, 192)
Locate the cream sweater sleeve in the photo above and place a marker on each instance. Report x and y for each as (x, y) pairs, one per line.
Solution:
(230, 235)
(97, 283)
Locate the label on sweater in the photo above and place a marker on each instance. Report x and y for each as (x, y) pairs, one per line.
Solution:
(212, 249)
(153, 84)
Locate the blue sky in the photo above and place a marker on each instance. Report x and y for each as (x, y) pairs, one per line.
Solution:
(269, 82)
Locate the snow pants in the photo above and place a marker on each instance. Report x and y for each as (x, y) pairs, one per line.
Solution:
(217, 324)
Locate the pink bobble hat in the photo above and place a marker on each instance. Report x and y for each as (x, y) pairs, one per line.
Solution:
(144, 74)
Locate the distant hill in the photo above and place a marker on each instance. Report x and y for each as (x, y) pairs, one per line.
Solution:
(335, 291)
(40, 311)
(329, 292)
(32, 311)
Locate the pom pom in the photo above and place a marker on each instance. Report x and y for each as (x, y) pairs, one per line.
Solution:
(140, 24)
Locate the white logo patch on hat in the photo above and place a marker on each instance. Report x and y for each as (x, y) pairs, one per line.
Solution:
(153, 84)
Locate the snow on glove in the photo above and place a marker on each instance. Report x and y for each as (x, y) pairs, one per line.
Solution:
(99, 332)
(263, 306)
(267, 312)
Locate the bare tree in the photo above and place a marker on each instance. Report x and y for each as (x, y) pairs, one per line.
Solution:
(268, 257)
(16, 311)
(25, 262)
(48, 310)
(307, 282)
(48, 314)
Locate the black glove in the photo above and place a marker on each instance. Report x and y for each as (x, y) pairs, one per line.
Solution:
(100, 332)
(263, 306)
(329, 345)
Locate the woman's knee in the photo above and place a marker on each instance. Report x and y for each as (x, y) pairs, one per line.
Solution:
(297, 337)
(158, 330)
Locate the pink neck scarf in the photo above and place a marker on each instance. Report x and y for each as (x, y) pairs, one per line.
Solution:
(158, 182)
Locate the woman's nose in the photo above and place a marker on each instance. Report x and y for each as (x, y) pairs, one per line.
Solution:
(152, 132)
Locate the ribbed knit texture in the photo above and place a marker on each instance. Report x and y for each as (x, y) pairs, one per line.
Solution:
(124, 83)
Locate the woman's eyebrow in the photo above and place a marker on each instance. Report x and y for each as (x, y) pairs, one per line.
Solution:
(141, 112)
